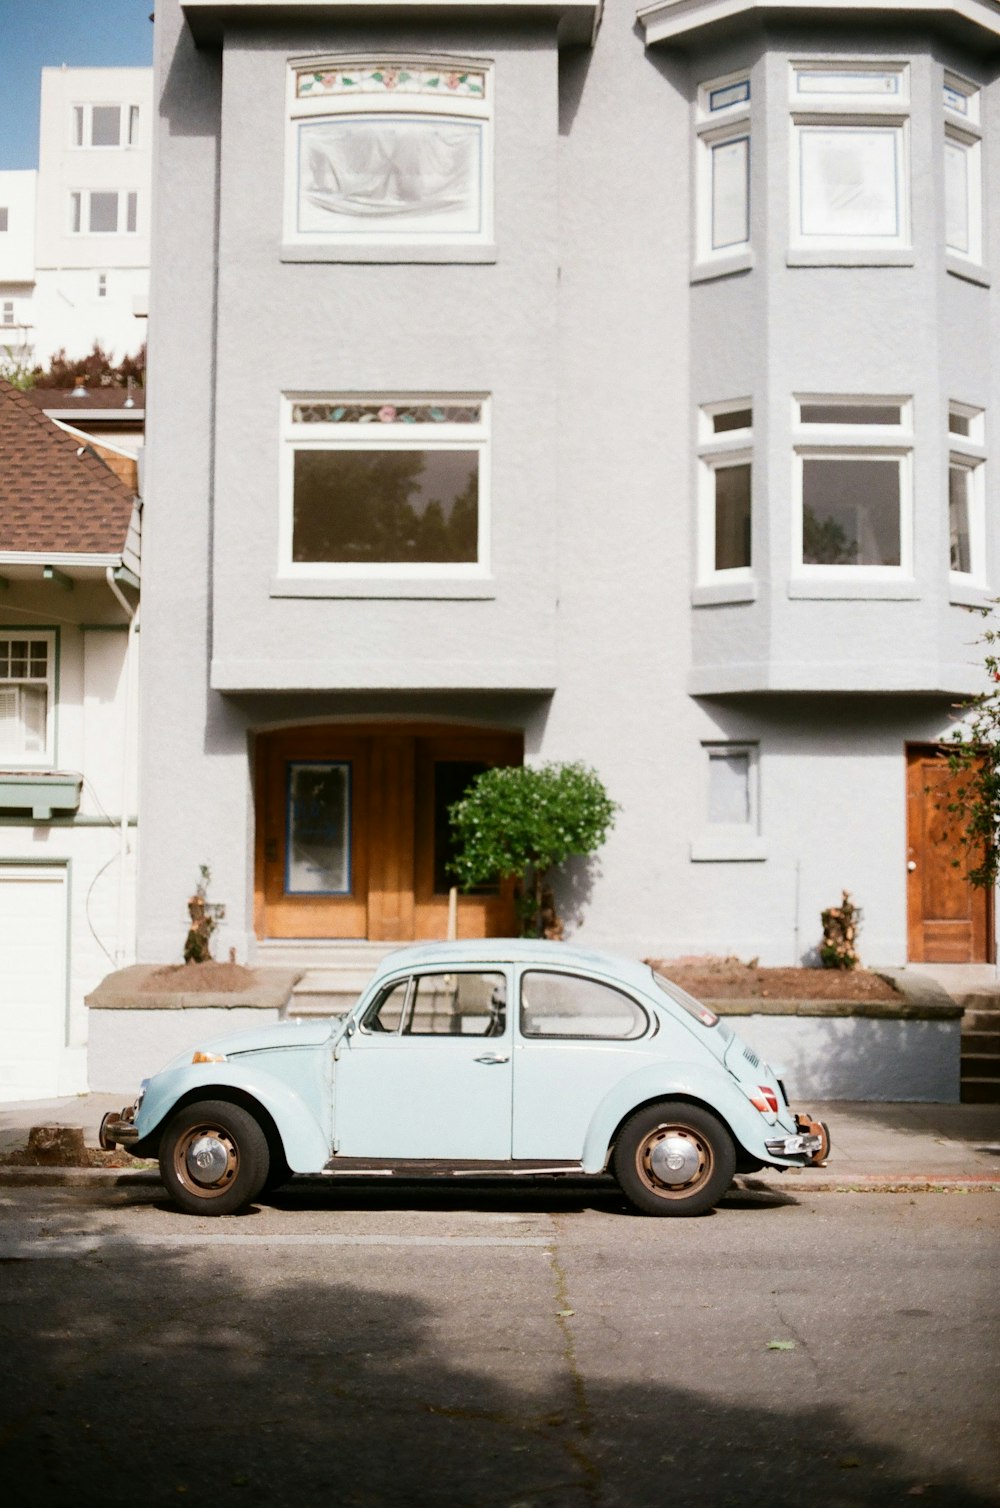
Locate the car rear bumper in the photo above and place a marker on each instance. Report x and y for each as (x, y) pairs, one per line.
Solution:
(811, 1141)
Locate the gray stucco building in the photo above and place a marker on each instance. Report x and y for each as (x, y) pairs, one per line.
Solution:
(527, 382)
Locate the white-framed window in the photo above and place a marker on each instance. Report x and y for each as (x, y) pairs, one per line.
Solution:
(966, 495)
(731, 803)
(27, 695)
(4, 218)
(103, 212)
(384, 486)
(850, 156)
(723, 168)
(102, 285)
(963, 174)
(853, 489)
(725, 434)
(95, 125)
(389, 151)
(7, 311)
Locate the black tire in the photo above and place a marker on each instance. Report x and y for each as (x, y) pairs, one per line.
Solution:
(695, 1140)
(236, 1161)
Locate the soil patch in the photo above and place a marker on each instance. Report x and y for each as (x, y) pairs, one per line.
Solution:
(713, 978)
(199, 978)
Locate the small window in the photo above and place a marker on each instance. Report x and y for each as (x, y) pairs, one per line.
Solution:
(853, 485)
(102, 125)
(4, 218)
(388, 486)
(966, 496)
(103, 212)
(457, 1005)
(723, 147)
(319, 828)
(7, 312)
(570, 1005)
(133, 125)
(102, 285)
(27, 673)
(387, 150)
(730, 825)
(851, 174)
(389, 1011)
(728, 786)
(963, 185)
(726, 493)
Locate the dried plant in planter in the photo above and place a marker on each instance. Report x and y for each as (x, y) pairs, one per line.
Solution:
(841, 925)
(205, 917)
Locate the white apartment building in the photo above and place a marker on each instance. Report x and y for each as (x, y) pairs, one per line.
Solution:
(74, 237)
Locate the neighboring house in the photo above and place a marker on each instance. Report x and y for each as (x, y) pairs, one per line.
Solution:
(535, 384)
(74, 237)
(111, 418)
(69, 576)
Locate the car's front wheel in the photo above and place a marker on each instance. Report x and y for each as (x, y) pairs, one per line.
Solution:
(673, 1159)
(213, 1158)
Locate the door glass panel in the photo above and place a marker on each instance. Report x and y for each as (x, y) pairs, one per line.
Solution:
(458, 1005)
(387, 1013)
(452, 778)
(319, 828)
(566, 1005)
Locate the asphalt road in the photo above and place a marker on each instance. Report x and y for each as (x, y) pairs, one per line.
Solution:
(530, 1346)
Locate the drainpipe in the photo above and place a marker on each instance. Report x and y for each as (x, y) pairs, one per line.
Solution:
(133, 628)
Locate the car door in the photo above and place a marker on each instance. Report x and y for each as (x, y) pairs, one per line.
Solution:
(577, 1037)
(427, 1072)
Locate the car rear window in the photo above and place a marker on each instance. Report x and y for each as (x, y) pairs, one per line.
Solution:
(687, 1002)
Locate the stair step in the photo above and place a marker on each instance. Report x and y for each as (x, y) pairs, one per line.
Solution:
(980, 1065)
(980, 1042)
(981, 1091)
(979, 1000)
(986, 1021)
(324, 953)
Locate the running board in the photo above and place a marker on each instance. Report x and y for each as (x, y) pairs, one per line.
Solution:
(407, 1168)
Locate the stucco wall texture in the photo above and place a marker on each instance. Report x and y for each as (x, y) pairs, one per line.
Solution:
(596, 349)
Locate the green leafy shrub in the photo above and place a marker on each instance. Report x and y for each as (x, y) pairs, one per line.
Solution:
(523, 821)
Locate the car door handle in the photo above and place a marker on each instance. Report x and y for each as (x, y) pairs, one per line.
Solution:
(493, 1057)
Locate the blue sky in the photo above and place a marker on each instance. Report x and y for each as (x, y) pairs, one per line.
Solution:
(37, 34)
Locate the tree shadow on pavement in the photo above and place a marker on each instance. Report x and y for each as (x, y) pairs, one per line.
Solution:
(299, 1375)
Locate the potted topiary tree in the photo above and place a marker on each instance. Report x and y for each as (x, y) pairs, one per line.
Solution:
(523, 821)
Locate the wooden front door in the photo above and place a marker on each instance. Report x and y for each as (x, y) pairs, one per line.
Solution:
(949, 921)
(352, 832)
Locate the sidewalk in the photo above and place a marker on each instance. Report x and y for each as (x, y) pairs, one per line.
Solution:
(902, 1147)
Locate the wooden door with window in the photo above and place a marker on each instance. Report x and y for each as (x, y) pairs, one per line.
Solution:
(353, 839)
(949, 920)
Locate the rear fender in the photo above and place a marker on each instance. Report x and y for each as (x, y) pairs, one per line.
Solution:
(306, 1145)
(691, 1081)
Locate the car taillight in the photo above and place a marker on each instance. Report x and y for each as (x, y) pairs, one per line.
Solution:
(765, 1100)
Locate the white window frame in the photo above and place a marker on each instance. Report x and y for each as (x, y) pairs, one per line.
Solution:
(387, 103)
(82, 126)
(889, 443)
(732, 447)
(7, 312)
(397, 436)
(80, 212)
(968, 453)
(40, 757)
(848, 109)
(730, 842)
(963, 133)
(722, 119)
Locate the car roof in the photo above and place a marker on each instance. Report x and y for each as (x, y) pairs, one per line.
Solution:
(503, 950)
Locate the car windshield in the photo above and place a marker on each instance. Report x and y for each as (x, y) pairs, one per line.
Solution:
(688, 1002)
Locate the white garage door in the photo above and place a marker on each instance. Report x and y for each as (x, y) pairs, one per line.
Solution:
(32, 980)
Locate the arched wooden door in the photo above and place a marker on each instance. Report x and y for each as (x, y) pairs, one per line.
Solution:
(353, 839)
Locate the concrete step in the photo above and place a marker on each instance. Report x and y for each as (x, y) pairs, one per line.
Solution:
(977, 1065)
(985, 1021)
(322, 953)
(981, 1091)
(981, 1042)
(979, 1000)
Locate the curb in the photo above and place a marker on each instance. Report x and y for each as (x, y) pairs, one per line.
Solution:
(805, 1182)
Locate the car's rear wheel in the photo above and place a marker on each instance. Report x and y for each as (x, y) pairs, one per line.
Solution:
(213, 1158)
(673, 1159)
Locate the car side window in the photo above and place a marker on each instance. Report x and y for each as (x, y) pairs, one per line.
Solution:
(458, 1005)
(570, 1005)
(387, 1012)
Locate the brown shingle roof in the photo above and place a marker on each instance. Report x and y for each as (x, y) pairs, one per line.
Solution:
(52, 497)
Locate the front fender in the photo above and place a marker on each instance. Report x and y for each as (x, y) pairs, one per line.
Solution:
(306, 1144)
(712, 1087)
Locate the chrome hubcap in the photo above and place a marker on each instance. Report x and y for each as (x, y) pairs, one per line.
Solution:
(675, 1157)
(207, 1159)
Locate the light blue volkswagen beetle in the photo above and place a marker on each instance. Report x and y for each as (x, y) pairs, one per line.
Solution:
(495, 1056)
